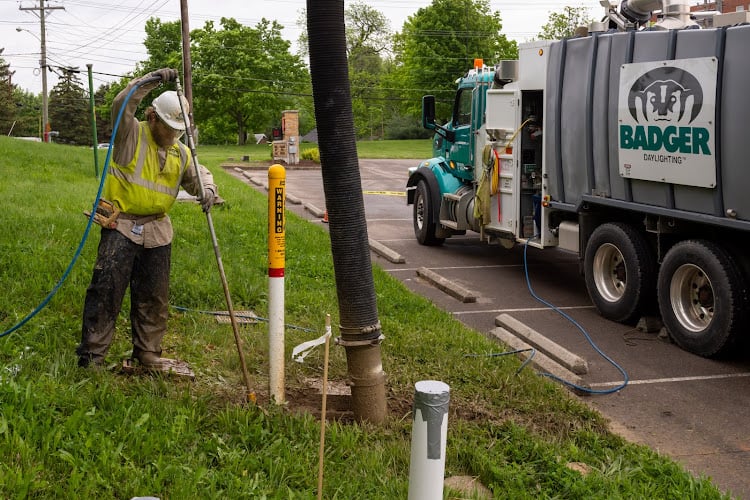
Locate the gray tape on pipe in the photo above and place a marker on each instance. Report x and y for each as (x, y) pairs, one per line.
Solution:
(431, 398)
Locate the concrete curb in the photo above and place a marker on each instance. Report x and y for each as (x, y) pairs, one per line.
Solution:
(570, 361)
(540, 360)
(314, 210)
(290, 198)
(254, 180)
(293, 199)
(387, 253)
(447, 286)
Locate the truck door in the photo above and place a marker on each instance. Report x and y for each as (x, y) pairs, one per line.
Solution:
(502, 119)
(460, 151)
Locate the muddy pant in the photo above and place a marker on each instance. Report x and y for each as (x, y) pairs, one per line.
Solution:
(120, 263)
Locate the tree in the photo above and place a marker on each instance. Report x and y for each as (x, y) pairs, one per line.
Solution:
(69, 110)
(564, 24)
(7, 105)
(368, 42)
(28, 113)
(243, 78)
(439, 43)
(164, 45)
(103, 120)
(368, 38)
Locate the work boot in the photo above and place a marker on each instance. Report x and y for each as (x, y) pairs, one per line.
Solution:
(152, 360)
(88, 361)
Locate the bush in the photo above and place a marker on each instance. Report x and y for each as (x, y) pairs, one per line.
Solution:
(405, 127)
(311, 154)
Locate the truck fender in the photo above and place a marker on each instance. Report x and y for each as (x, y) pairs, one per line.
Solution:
(426, 174)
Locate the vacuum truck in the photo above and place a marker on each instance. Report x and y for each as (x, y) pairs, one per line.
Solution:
(626, 145)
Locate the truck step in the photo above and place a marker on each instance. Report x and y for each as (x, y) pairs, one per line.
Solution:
(451, 196)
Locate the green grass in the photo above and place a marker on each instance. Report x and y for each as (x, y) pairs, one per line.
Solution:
(72, 433)
(416, 149)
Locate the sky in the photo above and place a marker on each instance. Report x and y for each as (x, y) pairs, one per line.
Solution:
(109, 34)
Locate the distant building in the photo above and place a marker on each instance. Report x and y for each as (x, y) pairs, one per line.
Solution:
(311, 136)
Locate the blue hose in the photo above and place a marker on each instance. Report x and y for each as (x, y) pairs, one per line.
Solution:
(585, 334)
(85, 236)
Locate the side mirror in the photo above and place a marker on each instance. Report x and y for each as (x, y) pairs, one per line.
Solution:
(428, 112)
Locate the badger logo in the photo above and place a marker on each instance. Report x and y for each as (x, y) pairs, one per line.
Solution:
(665, 94)
(664, 102)
(666, 121)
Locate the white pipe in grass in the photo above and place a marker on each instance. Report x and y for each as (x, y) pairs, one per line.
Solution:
(428, 439)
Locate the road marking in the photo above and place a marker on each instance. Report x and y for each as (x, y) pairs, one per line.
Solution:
(674, 379)
(386, 193)
(457, 267)
(391, 220)
(525, 309)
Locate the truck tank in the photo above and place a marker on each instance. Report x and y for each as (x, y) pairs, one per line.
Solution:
(687, 158)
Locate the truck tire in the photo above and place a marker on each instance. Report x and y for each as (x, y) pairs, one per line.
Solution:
(424, 229)
(702, 298)
(620, 271)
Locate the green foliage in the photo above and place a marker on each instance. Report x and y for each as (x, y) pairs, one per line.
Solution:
(440, 42)
(563, 24)
(28, 113)
(69, 112)
(7, 106)
(368, 43)
(402, 127)
(72, 433)
(243, 78)
(311, 154)
(164, 46)
(102, 109)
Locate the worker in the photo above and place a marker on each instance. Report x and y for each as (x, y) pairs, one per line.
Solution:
(149, 166)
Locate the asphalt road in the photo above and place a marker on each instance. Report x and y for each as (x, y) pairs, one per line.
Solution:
(690, 408)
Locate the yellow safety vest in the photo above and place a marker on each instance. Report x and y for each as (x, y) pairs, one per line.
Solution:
(141, 187)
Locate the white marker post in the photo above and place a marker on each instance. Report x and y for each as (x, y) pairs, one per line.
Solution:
(428, 437)
(276, 261)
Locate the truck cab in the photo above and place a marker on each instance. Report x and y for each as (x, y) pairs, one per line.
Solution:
(487, 166)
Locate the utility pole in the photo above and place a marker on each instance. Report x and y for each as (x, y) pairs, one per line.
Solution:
(187, 65)
(40, 12)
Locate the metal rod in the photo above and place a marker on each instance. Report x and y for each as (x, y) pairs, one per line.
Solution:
(217, 252)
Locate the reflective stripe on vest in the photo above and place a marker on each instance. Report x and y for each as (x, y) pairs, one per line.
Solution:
(136, 189)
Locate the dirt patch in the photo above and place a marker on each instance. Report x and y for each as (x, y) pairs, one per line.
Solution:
(468, 486)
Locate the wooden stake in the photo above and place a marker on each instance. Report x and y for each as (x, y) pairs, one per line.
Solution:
(323, 408)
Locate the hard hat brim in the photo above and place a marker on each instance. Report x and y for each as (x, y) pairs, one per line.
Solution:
(174, 124)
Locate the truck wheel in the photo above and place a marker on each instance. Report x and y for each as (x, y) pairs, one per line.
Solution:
(620, 272)
(424, 230)
(702, 299)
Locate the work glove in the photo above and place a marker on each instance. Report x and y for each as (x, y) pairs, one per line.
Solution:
(210, 194)
(166, 74)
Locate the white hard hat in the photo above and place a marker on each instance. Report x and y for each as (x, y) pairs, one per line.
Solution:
(168, 108)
